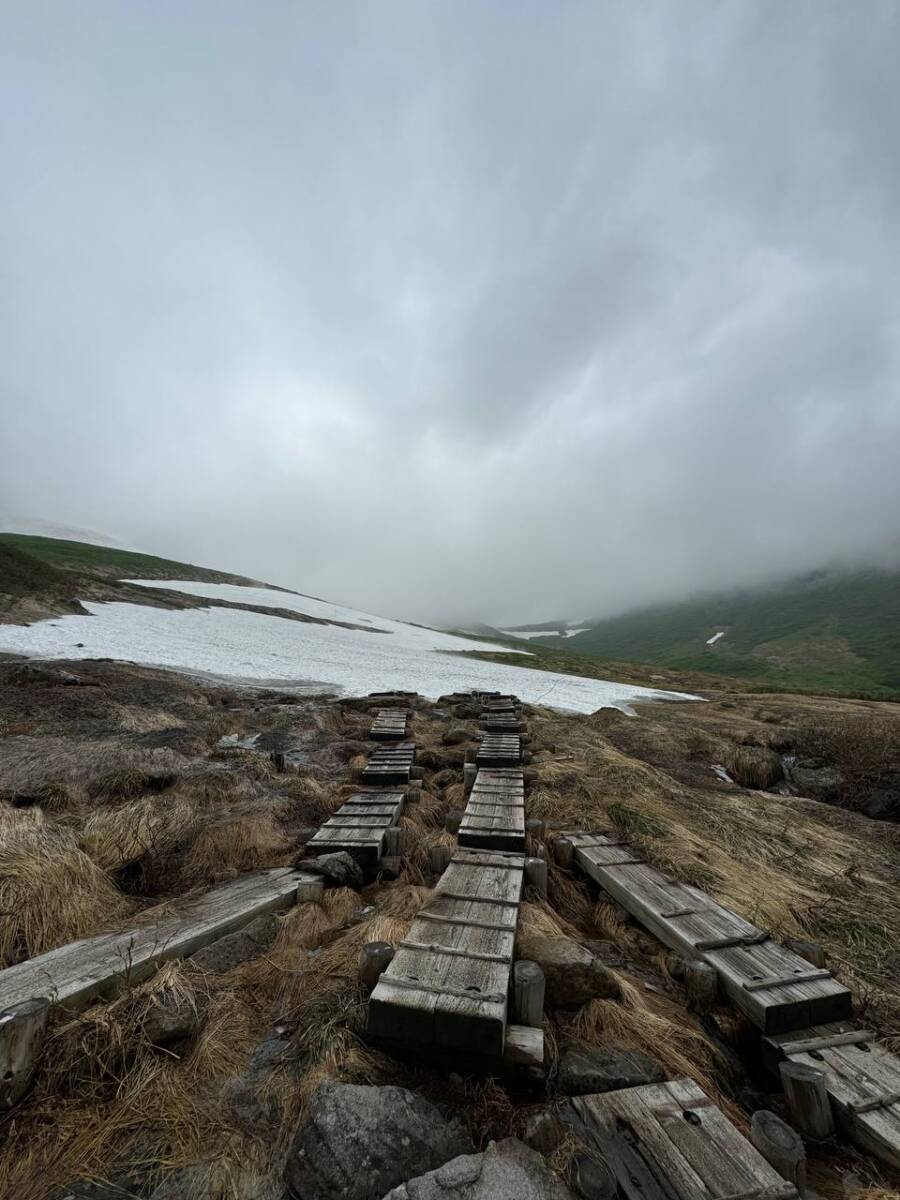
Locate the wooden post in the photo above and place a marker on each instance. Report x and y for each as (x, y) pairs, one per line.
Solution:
(781, 1146)
(22, 1030)
(471, 753)
(536, 828)
(469, 773)
(439, 859)
(811, 951)
(807, 1100)
(528, 992)
(536, 874)
(374, 958)
(593, 1177)
(564, 852)
(702, 985)
(394, 839)
(417, 772)
(453, 820)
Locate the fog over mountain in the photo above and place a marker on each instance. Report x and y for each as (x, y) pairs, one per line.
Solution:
(456, 311)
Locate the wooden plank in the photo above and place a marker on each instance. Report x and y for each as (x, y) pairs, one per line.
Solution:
(862, 1080)
(455, 995)
(79, 972)
(494, 819)
(359, 827)
(774, 987)
(669, 1142)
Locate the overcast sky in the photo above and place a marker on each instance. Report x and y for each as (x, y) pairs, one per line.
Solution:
(463, 310)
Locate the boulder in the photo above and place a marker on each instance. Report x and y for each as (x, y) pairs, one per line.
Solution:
(882, 801)
(456, 735)
(237, 947)
(811, 777)
(340, 869)
(507, 1170)
(573, 974)
(358, 1142)
(584, 1070)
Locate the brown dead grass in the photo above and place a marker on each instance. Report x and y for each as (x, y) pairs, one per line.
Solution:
(51, 892)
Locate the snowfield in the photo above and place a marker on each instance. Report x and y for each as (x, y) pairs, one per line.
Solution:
(543, 633)
(269, 650)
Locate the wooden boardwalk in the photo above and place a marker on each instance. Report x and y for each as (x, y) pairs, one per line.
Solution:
(861, 1077)
(501, 722)
(499, 750)
(495, 814)
(668, 1141)
(447, 985)
(389, 766)
(775, 988)
(389, 725)
(82, 971)
(359, 826)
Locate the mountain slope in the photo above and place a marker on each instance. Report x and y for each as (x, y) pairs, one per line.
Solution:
(837, 632)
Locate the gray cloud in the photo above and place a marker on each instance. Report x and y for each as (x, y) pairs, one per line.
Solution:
(456, 310)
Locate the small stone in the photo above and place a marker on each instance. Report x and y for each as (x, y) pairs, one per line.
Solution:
(171, 1018)
(240, 946)
(340, 869)
(543, 1131)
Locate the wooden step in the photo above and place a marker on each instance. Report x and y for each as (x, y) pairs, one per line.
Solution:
(359, 826)
(774, 987)
(862, 1079)
(448, 982)
(494, 818)
(75, 974)
(389, 725)
(668, 1141)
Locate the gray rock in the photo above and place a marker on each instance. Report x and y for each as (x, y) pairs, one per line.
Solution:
(882, 801)
(340, 869)
(237, 947)
(359, 1142)
(507, 1170)
(543, 1131)
(572, 973)
(171, 1018)
(811, 777)
(455, 736)
(584, 1070)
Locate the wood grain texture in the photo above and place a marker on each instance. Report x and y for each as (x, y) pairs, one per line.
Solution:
(448, 983)
(668, 1141)
(862, 1080)
(359, 826)
(774, 987)
(79, 972)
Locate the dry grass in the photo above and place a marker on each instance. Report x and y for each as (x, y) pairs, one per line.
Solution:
(753, 766)
(152, 826)
(51, 892)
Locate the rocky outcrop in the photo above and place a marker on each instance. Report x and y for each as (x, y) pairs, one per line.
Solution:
(812, 777)
(507, 1170)
(572, 973)
(359, 1142)
(584, 1070)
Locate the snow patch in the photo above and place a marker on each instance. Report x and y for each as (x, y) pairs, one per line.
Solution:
(269, 650)
(715, 637)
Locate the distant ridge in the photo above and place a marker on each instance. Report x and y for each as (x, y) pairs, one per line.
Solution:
(829, 630)
(37, 527)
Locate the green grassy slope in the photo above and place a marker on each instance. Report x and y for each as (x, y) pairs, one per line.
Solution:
(834, 632)
(107, 561)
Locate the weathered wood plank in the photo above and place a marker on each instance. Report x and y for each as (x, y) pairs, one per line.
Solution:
(359, 826)
(775, 988)
(862, 1080)
(669, 1142)
(448, 982)
(82, 971)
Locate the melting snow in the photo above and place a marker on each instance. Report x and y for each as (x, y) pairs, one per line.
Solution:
(258, 648)
(715, 637)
